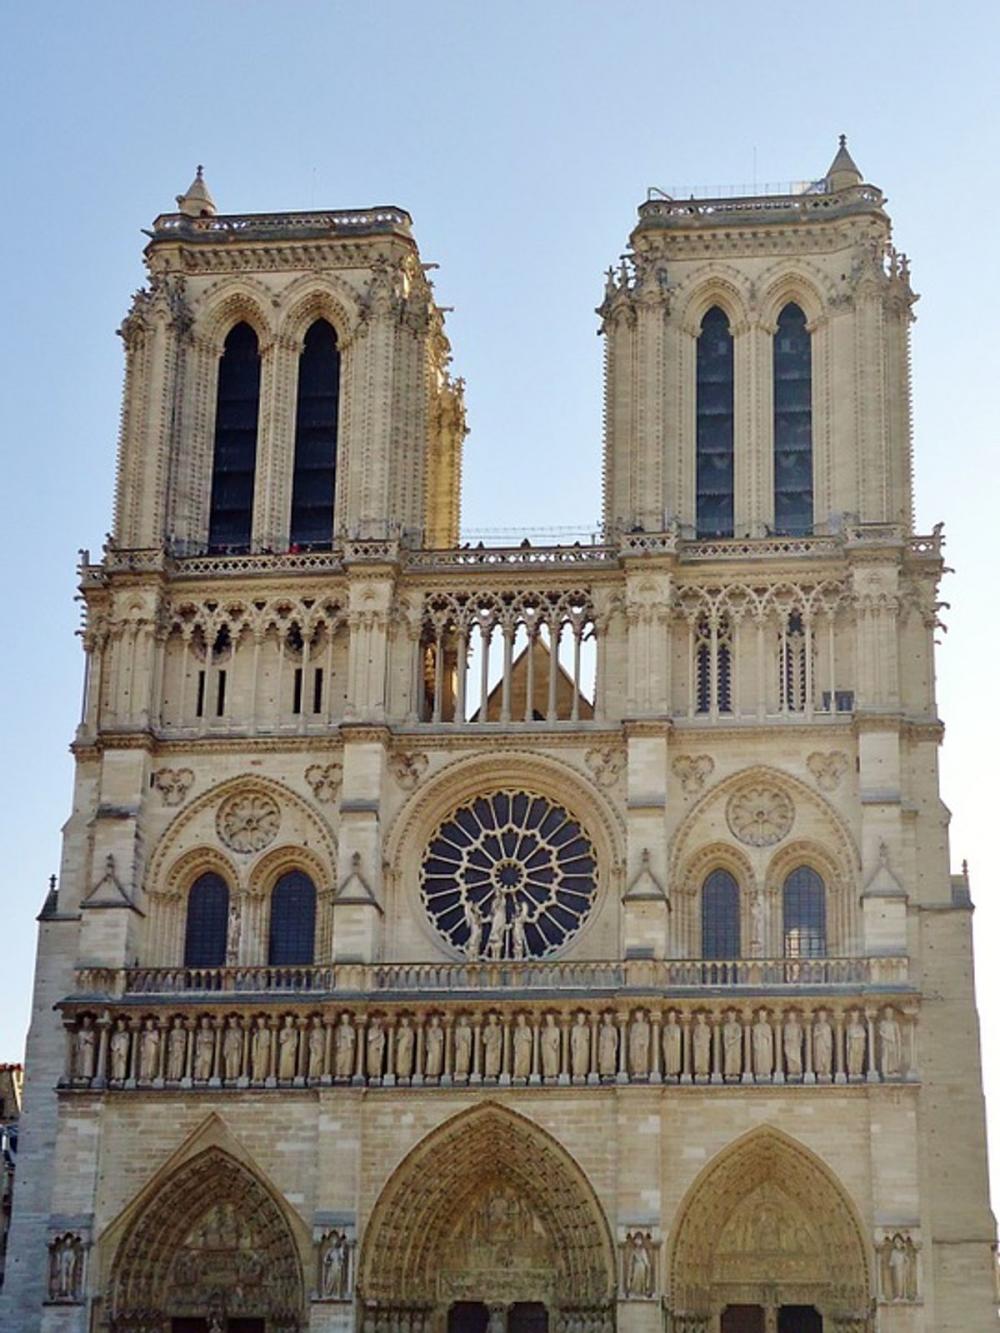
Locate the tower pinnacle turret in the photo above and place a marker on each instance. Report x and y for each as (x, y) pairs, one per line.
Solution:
(842, 171)
(197, 201)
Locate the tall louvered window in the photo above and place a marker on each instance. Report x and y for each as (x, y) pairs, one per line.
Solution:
(793, 467)
(714, 427)
(234, 459)
(292, 935)
(207, 922)
(316, 439)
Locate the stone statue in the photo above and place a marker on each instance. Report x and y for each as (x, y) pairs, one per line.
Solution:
(260, 1051)
(288, 1050)
(856, 1041)
(638, 1045)
(549, 1045)
(343, 1048)
(176, 1051)
(404, 1048)
(119, 1051)
(204, 1050)
(579, 1045)
(522, 1041)
(498, 926)
(891, 1044)
(672, 1045)
(375, 1048)
(763, 1046)
(335, 1256)
(434, 1048)
(66, 1268)
(317, 1048)
(732, 1045)
(474, 944)
(898, 1268)
(758, 913)
(234, 927)
(638, 1265)
(518, 932)
(463, 1047)
(492, 1047)
(232, 1049)
(701, 1046)
(607, 1046)
(822, 1035)
(791, 1043)
(85, 1048)
(149, 1052)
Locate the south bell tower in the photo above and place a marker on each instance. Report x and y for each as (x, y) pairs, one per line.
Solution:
(455, 938)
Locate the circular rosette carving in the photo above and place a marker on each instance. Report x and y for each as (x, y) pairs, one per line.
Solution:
(509, 875)
(760, 816)
(248, 822)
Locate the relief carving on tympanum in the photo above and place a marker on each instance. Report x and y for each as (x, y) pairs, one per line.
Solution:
(760, 815)
(499, 1250)
(248, 821)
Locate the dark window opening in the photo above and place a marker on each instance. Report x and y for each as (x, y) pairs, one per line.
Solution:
(318, 690)
(804, 913)
(316, 409)
(220, 695)
(793, 471)
(297, 691)
(199, 707)
(207, 921)
(234, 459)
(799, 1319)
(293, 920)
(714, 420)
(720, 916)
(792, 656)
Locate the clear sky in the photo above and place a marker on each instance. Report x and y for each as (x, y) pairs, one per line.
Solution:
(521, 137)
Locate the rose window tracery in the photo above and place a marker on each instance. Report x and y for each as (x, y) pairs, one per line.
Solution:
(248, 822)
(760, 816)
(509, 875)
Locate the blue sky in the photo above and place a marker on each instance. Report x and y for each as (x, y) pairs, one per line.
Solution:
(521, 137)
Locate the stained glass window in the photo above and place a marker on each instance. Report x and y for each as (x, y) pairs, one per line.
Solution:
(720, 916)
(291, 939)
(207, 922)
(804, 903)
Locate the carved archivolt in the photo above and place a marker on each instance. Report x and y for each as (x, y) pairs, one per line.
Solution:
(768, 1211)
(489, 1206)
(201, 1247)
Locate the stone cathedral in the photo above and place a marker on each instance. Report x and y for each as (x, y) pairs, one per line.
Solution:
(454, 938)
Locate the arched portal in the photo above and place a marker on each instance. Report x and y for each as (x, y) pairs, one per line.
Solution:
(489, 1213)
(767, 1234)
(212, 1244)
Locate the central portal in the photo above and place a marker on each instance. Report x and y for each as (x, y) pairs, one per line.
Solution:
(477, 1317)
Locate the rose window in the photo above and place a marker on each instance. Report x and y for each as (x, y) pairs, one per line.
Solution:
(509, 875)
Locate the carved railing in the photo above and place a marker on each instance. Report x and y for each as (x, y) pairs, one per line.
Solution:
(229, 226)
(492, 557)
(589, 1042)
(646, 976)
(684, 212)
(760, 548)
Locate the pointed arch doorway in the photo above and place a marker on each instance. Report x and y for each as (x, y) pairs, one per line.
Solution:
(209, 1251)
(767, 1241)
(488, 1226)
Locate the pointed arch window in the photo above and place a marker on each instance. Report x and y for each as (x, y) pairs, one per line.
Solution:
(796, 668)
(207, 922)
(234, 458)
(720, 916)
(793, 464)
(316, 410)
(292, 935)
(804, 914)
(713, 665)
(714, 419)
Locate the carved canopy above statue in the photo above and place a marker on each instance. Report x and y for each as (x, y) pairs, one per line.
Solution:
(488, 1208)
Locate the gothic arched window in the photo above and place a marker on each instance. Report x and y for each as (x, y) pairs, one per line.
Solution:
(793, 470)
(291, 939)
(720, 916)
(714, 481)
(713, 665)
(234, 459)
(804, 913)
(207, 922)
(316, 438)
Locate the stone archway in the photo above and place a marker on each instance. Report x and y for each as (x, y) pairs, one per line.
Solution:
(488, 1210)
(766, 1227)
(212, 1244)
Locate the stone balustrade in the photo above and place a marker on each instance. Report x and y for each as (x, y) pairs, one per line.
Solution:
(758, 1041)
(640, 975)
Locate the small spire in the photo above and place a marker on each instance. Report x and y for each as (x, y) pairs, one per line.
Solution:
(197, 201)
(843, 171)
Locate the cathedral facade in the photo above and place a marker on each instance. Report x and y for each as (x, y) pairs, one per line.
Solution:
(462, 939)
